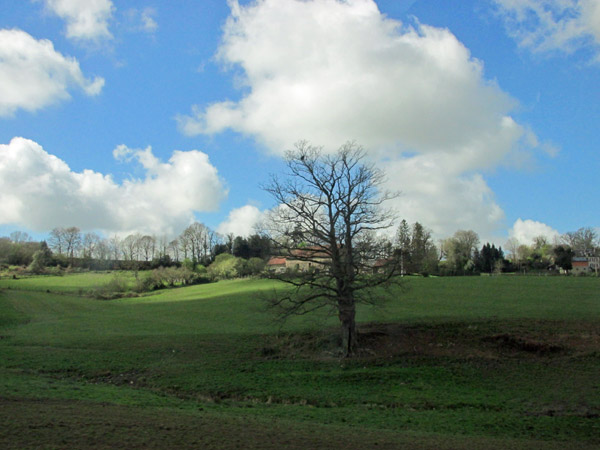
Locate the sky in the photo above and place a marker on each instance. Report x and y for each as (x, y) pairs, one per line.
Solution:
(144, 116)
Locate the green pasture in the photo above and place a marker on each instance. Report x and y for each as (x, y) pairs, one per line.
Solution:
(78, 283)
(465, 362)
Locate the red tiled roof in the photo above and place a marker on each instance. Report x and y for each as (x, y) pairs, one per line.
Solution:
(382, 262)
(276, 261)
(310, 252)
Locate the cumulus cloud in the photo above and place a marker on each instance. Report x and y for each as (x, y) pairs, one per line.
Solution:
(552, 25)
(87, 20)
(331, 71)
(442, 197)
(34, 75)
(525, 231)
(241, 221)
(40, 191)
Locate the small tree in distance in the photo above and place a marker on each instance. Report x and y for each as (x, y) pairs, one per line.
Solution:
(41, 259)
(328, 211)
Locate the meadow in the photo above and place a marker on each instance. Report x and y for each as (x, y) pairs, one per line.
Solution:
(464, 362)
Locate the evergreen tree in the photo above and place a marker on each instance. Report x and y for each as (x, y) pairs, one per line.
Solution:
(403, 241)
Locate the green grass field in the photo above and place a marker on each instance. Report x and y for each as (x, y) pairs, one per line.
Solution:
(478, 362)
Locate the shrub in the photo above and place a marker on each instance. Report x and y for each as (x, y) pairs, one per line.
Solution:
(188, 264)
(225, 266)
(38, 265)
(117, 283)
(148, 282)
(56, 271)
(169, 276)
(256, 266)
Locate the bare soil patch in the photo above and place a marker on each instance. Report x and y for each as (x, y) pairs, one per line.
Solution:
(490, 340)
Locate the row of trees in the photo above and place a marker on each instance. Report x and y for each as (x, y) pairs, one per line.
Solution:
(196, 248)
(412, 244)
(461, 254)
(197, 243)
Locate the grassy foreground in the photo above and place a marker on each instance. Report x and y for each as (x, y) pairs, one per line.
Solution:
(490, 362)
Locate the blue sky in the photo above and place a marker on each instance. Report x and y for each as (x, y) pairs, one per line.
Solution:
(146, 115)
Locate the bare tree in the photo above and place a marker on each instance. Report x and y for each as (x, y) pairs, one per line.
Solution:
(72, 237)
(512, 245)
(57, 240)
(20, 236)
(174, 249)
(131, 246)
(114, 245)
(197, 240)
(211, 239)
(163, 244)
(184, 244)
(328, 208)
(582, 241)
(103, 250)
(90, 244)
(147, 246)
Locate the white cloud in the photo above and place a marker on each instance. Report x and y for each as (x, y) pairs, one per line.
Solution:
(148, 24)
(525, 231)
(143, 20)
(330, 71)
(442, 198)
(33, 75)
(241, 221)
(552, 25)
(39, 191)
(86, 19)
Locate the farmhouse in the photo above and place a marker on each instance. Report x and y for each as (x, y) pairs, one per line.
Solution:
(277, 264)
(585, 264)
(383, 265)
(299, 259)
(316, 258)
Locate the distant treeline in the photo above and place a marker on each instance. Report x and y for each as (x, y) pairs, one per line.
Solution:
(200, 249)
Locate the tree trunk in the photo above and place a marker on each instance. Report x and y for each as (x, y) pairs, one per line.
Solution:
(347, 314)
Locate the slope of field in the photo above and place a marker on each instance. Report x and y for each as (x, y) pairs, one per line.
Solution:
(446, 363)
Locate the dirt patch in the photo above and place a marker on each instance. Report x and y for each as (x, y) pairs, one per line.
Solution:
(509, 342)
(487, 339)
(129, 378)
(583, 411)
